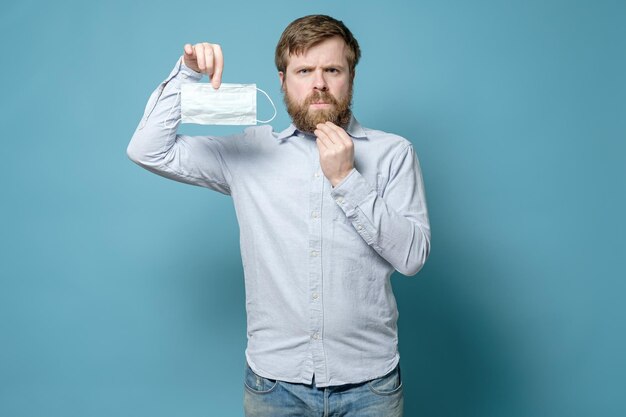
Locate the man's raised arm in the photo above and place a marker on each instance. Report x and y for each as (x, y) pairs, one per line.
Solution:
(157, 147)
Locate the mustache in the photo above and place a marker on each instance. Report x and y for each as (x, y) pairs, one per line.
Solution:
(324, 96)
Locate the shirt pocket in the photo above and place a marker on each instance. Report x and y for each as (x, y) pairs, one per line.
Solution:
(258, 384)
(388, 384)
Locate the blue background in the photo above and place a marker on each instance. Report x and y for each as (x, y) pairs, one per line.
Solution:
(121, 292)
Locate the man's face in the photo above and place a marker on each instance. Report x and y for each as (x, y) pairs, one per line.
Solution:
(317, 85)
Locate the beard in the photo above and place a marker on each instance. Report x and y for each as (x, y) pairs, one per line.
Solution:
(306, 119)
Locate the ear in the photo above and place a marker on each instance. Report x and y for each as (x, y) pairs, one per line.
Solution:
(281, 76)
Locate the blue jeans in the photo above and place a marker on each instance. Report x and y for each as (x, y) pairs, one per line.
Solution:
(381, 397)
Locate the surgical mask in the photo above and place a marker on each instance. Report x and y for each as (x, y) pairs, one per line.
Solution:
(231, 104)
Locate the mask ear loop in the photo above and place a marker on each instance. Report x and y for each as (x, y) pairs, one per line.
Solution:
(170, 112)
(275, 112)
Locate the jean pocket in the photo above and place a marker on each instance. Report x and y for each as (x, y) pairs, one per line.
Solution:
(388, 384)
(258, 384)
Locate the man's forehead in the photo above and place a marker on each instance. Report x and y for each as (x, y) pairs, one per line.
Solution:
(322, 53)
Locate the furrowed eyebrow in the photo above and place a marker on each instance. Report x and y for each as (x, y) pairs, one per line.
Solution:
(310, 67)
(338, 66)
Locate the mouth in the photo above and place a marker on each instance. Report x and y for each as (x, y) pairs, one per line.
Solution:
(320, 104)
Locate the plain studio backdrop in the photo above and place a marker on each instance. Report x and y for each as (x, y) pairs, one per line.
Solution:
(121, 292)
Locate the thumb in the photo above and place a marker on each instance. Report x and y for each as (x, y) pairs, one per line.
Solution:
(188, 50)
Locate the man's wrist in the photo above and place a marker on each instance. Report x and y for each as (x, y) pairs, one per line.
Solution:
(336, 181)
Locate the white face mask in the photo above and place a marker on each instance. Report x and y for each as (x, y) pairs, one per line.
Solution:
(231, 104)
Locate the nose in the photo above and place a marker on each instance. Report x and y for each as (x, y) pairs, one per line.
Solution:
(320, 81)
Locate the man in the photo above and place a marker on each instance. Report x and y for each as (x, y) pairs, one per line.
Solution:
(327, 210)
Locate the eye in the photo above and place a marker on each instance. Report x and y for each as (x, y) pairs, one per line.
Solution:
(303, 71)
(332, 70)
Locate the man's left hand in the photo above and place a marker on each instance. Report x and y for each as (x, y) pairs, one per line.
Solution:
(336, 151)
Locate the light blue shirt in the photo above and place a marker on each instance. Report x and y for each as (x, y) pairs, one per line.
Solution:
(317, 260)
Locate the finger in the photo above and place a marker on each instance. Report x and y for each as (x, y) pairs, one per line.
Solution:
(321, 148)
(339, 136)
(199, 49)
(328, 132)
(322, 140)
(189, 59)
(208, 58)
(216, 79)
(340, 133)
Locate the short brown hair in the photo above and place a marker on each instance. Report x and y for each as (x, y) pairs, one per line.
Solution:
(308, 31)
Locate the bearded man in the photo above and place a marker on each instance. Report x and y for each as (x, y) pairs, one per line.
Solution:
(327, 211)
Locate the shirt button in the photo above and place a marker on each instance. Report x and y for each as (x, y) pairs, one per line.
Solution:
(340, 200)
(359, 227)
(317, 174)
(313, 253)
(316, 336)
(314, 215)
(315, 296)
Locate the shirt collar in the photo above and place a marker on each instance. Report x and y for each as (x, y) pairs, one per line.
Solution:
(354, 129)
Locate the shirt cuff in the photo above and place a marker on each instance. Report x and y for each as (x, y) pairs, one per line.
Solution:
(351, 191)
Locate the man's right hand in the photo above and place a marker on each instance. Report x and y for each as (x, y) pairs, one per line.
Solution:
(205, 58)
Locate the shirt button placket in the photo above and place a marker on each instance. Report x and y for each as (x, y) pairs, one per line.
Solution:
(316, 313)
